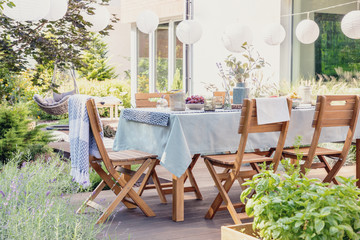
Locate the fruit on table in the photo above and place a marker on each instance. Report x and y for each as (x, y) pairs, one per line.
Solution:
(195, 99)
(293, 95)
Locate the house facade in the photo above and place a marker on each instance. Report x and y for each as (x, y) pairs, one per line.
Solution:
(155, 60)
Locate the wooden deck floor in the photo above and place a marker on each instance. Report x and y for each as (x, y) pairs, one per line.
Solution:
(132, 224)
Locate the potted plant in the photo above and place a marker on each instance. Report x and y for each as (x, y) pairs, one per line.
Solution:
(293, 206)
(240, 70)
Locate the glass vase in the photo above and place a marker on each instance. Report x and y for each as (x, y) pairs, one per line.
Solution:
(227, 100)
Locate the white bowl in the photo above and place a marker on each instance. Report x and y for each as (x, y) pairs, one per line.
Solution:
(195, 106)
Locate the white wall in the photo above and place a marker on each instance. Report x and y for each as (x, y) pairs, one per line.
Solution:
(119, 45)
(214, 16)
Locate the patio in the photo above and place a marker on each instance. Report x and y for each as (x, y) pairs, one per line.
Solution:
(181, 108)
(132, 224)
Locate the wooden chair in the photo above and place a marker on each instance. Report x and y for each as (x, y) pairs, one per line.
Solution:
(142, 99)
(331, 111)
(248, 124)
(222, 94)
(115, 162)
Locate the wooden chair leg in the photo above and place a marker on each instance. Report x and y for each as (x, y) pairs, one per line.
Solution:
(327, 167)
(152, 172)
(334, 171)
(127, 188)
(222, 196)
(158, 187)
(112, 185)
(241, 181)
(92, 196)
(146, 178)
(194, 184)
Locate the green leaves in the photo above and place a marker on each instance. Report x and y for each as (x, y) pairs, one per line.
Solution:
(319, 225)
(240, 70)
(61, 41)
(295, 207)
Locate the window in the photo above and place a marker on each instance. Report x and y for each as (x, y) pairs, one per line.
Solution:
(143, 63)
(159, 59)
(332, 50)
(162, 57)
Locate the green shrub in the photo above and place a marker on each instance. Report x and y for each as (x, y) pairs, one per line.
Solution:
(17, 135)
(32, 205)
(293, 206)
(95, 61)
(116, 88)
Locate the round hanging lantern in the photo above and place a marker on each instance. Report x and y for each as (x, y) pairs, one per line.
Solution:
(350, 24)
(27, 10)
(235, 36)
(147, 21)
(307, 31)
(99, 20)
(189, 31)
(58, 9)
(274, 34)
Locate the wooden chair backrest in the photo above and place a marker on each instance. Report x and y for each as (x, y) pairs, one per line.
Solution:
(335, 111)
(249, 110)
(142, 99)
(248, 124)
(95, 124)
(222, 94)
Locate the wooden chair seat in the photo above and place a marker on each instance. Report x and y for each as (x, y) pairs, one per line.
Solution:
(129, 157)
(305, 152)
(228, 160)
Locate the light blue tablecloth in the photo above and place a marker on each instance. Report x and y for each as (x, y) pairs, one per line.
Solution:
(208, 133)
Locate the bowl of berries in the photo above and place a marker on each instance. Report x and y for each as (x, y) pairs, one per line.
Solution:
(195, 102)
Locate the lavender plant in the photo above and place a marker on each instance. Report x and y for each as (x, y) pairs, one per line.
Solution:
(32, 204)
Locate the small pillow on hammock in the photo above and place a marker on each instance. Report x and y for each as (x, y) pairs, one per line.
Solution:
(59, 96)
(49, 101)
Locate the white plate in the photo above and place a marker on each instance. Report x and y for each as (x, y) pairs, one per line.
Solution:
(195, 106)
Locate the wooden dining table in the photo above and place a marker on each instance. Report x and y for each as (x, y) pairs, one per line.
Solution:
(179, 138)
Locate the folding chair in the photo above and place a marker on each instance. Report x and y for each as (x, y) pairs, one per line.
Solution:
(115, 162)
(248, 124)
(331, 111)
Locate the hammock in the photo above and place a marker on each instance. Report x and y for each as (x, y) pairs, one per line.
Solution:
(57, 105)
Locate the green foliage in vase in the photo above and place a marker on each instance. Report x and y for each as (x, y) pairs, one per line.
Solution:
(95, 61)
(240, 70)
(292, 206)
(7, 2)
(17, 135)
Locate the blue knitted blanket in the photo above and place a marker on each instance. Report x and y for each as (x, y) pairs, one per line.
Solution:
(82, 141)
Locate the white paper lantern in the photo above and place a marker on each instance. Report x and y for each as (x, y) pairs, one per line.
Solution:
(274, 34)
(58, 9)
(350, 24)
(307, 31)
(235, 36)
(189, 31)
(147, 21)
(27, 10)
(99, 20)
